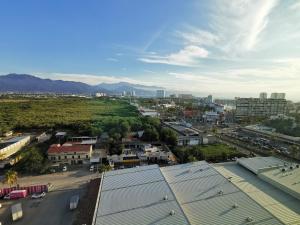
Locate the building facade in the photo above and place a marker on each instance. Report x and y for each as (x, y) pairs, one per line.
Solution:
(70, 154)
(160, 93)
(256, 107)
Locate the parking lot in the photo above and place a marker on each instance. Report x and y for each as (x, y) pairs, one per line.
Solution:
(53, 209)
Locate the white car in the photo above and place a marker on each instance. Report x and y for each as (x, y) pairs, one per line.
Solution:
(38, 195)
(64, 169)
(92, 168)
(6, 197)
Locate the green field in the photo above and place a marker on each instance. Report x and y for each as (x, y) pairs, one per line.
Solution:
(74, 113)
(210, 153)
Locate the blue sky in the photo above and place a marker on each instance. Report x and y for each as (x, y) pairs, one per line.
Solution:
(220, 47)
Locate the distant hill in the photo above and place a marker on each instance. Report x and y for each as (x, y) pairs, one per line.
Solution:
(25, 83)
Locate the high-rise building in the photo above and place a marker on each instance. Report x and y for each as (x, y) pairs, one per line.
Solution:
(278, 95)
(209, 99)
(160, 93)
(263, 95)
(257, 107)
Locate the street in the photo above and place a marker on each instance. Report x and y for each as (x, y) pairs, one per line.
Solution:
(53, 209)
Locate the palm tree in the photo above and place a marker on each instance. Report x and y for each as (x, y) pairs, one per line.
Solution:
(11, 177)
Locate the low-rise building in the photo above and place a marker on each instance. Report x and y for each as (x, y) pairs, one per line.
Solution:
(70, 153)
(13, 145)
(185, 135)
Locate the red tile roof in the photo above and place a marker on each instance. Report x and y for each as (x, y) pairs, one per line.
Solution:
(74, 148)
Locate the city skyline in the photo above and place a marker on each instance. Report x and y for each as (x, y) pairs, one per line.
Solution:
(217, 47)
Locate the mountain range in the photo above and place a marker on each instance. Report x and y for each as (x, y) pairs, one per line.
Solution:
(25, 83)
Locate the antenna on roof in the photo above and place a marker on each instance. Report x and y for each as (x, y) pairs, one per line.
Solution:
(166, 197)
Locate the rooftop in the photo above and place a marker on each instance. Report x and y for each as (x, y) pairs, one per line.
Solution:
(136, 196)
(259, 164)
(195, 192)
(56, 148)
(278, 203)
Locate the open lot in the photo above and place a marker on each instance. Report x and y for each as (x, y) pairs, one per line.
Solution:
(53, 209)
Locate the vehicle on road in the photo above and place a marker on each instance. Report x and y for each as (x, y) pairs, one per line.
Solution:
(16, 211)
(38, 195)
(16, 194)
(74, 202)
(92, 168)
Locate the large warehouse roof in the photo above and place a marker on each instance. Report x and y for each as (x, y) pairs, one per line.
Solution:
(138, 196)
(195, 193)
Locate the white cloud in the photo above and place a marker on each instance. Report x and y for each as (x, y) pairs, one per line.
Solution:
(112, 59)
(198, 37)
(239, 23)
(187, 56)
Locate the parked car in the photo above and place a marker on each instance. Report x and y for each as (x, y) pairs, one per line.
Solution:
(74, 202)
(64, 169)
(38, 195)
(92, 168)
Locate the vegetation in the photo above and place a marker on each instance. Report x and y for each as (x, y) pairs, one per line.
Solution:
(85, 116)
(169, 136)
(104, 168)
(210, 153)
(284, 126)
(11, 177)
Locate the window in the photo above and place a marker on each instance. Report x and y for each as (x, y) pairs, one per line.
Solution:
(58, 157)
(79, 157)
(86, 156)
(72, 156)
(66, 157)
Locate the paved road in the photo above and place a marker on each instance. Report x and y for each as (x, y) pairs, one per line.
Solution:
(53, 209)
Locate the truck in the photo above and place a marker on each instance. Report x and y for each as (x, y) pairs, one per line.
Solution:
(74, 202)
(16, 194)
(16, 211)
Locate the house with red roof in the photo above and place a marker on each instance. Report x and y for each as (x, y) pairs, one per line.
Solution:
(70, 153)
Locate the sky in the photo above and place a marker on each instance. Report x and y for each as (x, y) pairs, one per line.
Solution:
(219, 47)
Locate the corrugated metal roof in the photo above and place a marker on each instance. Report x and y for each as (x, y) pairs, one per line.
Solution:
(259, 164)
(287, 180)
(207, 197)
(283, 206)
(196, 192)
(220, 210)
(131, 179)
(136, 196)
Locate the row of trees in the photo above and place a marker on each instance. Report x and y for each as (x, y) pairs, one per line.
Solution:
(213, 153)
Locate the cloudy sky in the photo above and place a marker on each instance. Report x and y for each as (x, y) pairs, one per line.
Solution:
(220, 47)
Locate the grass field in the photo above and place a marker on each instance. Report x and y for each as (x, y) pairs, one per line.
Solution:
(217, 150)
(22, 114)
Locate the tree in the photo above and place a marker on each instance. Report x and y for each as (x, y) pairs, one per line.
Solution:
(150, 134)
(11, 177)
(169, 136)
(32, 161)
(104, 168)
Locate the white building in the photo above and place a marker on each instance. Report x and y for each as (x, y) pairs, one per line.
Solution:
(160, 93)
